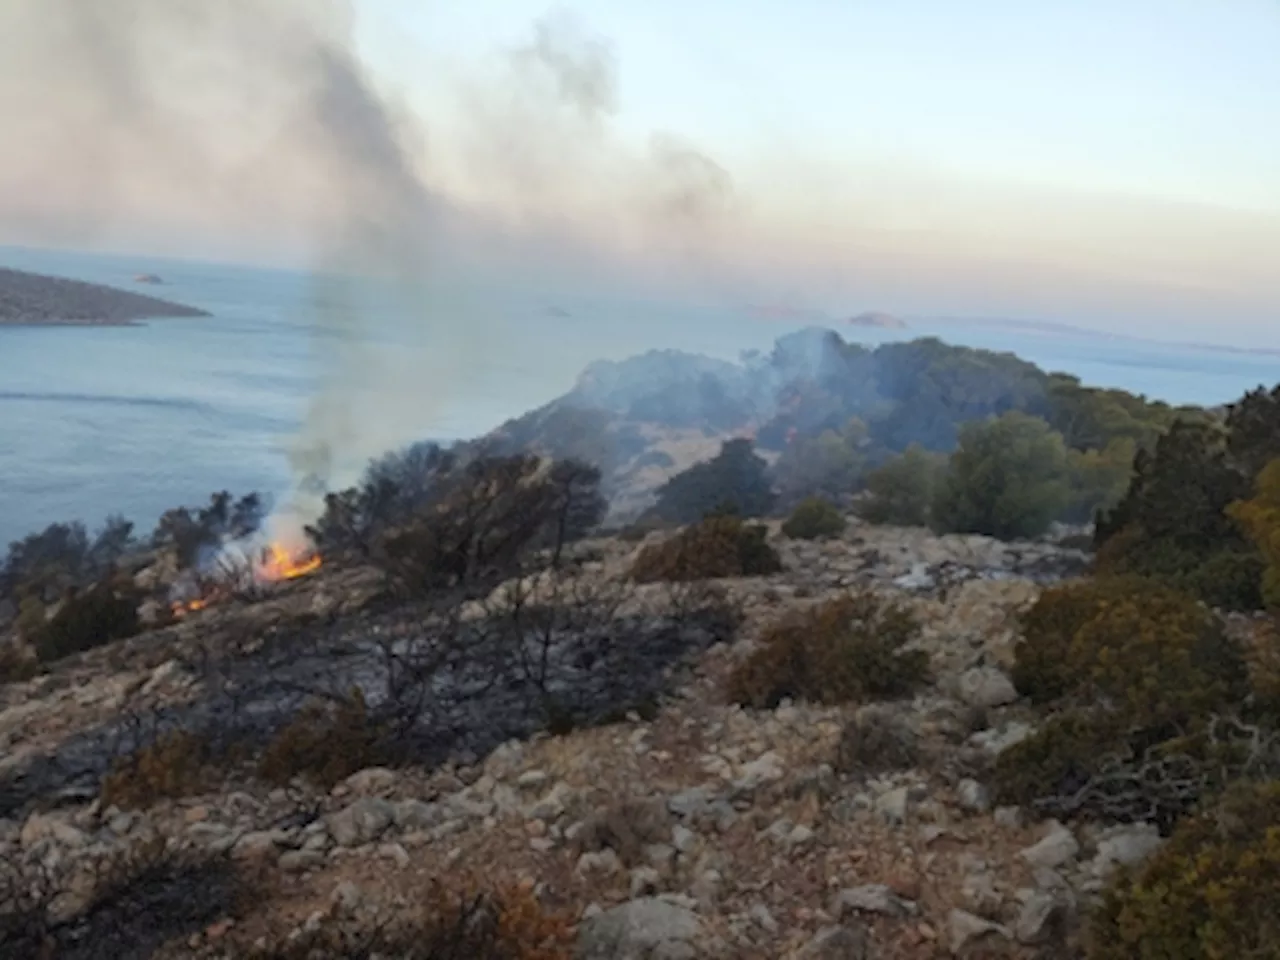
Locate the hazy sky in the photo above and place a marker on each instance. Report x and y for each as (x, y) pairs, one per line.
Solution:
(1108, 162)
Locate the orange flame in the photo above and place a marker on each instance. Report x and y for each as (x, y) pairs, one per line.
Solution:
(279, 564)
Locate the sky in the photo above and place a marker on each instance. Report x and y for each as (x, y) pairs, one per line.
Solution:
(1113, 164)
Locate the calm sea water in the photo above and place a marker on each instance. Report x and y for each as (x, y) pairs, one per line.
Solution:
(139, 419)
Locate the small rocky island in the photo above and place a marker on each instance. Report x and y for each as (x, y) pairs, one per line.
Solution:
(37, 300)
(884, 321)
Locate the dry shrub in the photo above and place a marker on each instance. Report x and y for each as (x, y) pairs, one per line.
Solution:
(717, 547)
(1212, 891)
(848, 649)
(16, 665)
(876, 740)
(178, 764)
(325, 743)
(469, 922)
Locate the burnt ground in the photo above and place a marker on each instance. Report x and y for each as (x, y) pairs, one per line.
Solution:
(450, 690)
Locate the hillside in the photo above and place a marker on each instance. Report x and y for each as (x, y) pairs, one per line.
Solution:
(32, 299)
(742, 832)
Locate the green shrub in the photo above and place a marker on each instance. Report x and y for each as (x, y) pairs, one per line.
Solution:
(848, 649)
(719, 546)
(1155, 655)
(90, 618)
(1041, 670)
(1212, 891)
(814, 518)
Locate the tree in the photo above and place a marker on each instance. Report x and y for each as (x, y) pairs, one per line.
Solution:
(1007, 479)
(1098, 478)
(736, 477)
(902, 489)
(1172, 522)
(190, 535)
(1260, 518)
(828, 465)
(1253, 430)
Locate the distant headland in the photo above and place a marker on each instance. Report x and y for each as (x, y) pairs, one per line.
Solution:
(37, 300)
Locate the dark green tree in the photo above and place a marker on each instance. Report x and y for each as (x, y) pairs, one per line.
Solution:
(1007, 479)
(736, 478)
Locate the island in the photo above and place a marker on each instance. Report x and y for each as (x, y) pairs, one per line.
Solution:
(37, 300)
(147, 278)
(883, 321)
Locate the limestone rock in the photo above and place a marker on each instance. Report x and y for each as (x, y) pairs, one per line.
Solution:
(645, 929)
(362, 822)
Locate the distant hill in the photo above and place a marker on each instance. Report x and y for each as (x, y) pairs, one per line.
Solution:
(643, 419)
(33, 299)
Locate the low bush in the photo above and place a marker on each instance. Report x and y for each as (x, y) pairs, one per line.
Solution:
(1152, 653)
(876, 740)
(15, 664)
(178, 764)
(325, 744)
(719, 546)
(86, 619)
(1058, 760)
(1212, 891)
(849, 649)
(1090, 763)
(814, 518)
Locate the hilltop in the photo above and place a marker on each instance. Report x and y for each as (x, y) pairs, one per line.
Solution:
(33, 299)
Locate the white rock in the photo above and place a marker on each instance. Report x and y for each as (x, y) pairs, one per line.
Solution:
(1125, 846)
(1057, 847)
(963, 928)
(986, 687)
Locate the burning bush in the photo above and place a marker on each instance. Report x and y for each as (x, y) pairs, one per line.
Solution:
(191, 534)
(478, 523)
(717, 547)
(852, 648)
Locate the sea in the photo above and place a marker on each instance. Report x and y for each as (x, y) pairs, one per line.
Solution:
(137, 419)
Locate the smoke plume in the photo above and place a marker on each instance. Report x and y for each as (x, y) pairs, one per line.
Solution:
(253, 121)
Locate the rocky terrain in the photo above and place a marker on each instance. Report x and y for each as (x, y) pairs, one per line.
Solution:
(32, 299)
(674, 825)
